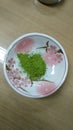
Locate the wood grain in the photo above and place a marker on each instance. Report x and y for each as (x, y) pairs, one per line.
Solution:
(55, 112)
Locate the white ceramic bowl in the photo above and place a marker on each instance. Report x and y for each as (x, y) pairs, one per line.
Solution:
(48, 52)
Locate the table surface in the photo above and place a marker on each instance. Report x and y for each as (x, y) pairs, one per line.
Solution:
(54, 112)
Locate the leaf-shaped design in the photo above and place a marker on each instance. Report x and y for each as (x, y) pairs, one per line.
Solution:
(33, 65)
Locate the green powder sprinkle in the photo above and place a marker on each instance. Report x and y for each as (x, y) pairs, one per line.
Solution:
(33, 65)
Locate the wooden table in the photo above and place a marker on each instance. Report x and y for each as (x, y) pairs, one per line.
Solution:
(55, 112)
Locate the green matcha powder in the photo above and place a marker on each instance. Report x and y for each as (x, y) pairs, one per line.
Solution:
(33, 65)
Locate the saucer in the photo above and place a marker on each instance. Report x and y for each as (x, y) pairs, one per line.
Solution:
(35, 65)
